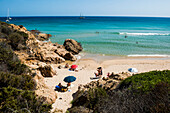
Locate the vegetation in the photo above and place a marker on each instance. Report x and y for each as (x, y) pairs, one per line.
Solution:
(17, 86)
(125, 101)
(144, 82)
(89, 98)
(9, 61)
(21, 101)
(24, 82)
(16, 39)
(141, 93)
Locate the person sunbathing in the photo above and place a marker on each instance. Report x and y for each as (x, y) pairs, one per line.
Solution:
(99, 72)
(67, 65)
(59, 87)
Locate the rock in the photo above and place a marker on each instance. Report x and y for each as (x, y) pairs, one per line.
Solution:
(44, 91)
(19, 28)
(108, 86)
(80, 109)
(44, 52)
(47, 71)
(65, 54)
(73, 46)
(43, 36)
(101, 83)
(57, 111)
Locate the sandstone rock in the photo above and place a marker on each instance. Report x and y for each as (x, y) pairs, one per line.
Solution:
(101, 83)
(47, 71)
(65, 54)
(57, 111)
(43, 36)
(45, 53)
(80, 109)
(19, 28)
(44, 91)
(73, 46)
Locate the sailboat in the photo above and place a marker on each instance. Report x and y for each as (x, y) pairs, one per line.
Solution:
(8, 18)
(81, 16)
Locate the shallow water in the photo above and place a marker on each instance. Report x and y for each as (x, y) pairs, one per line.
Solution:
(118, 36)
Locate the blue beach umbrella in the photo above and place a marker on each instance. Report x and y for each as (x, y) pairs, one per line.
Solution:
(133, 70)
(69, 79)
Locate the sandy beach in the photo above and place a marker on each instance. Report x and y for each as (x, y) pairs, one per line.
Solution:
(87, 67)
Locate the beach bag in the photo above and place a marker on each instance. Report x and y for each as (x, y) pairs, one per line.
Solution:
(64, 89)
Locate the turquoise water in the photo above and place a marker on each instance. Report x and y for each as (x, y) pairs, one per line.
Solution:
(106, 35)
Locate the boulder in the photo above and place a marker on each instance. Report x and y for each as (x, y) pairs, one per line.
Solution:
(65, 54)
(73, 46)
(43, 36)
(45, 53)
(47, 71)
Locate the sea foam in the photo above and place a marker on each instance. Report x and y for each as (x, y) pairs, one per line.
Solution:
(154, 55)
(158, 34)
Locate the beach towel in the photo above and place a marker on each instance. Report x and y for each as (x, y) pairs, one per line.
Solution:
(94, 78)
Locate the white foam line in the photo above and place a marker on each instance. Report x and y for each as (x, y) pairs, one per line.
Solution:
(166, 34)
(156, 55)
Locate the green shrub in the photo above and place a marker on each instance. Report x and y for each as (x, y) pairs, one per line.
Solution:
(125, 101)
(152, 96)
(145, 81)
(24, 82)
(21, 101)
(4, 23)
(6, 29)
(9, 61)
(15, 39)
(23, 34)
(89, 98)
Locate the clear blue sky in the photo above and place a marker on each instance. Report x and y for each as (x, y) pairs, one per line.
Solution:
(86, 7)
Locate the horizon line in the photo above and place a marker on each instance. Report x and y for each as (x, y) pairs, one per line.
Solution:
(90, 16)
(87, 16)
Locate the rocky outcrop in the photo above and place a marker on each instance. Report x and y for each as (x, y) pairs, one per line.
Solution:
(39, 55)
(47, 71)
(43, 36)
(73, 46)
(80, 109)
(18, 28)
(87, 95)
(42, 90)
(47, 51)
(40, 36)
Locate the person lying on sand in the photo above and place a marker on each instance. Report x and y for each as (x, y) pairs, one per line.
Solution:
(61, 88)
(58, 87)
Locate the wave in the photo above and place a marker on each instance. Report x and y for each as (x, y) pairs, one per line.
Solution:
(146, 34)
(158, 34)
(154, 55)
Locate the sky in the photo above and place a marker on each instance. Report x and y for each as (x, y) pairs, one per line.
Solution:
(86, 7)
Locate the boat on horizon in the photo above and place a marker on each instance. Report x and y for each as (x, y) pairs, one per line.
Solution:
(81, 16)
(8, 17)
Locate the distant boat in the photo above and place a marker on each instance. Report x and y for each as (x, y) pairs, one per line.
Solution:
(81, 16)
(8, 18)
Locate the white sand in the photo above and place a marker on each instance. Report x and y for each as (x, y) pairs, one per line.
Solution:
(89, 67)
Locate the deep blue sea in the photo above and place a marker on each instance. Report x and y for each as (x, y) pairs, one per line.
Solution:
(118, 36)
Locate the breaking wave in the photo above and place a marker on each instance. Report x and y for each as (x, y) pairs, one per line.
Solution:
(154, 55)
(146, 34)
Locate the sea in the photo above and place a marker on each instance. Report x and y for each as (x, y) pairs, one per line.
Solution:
(106, 36)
